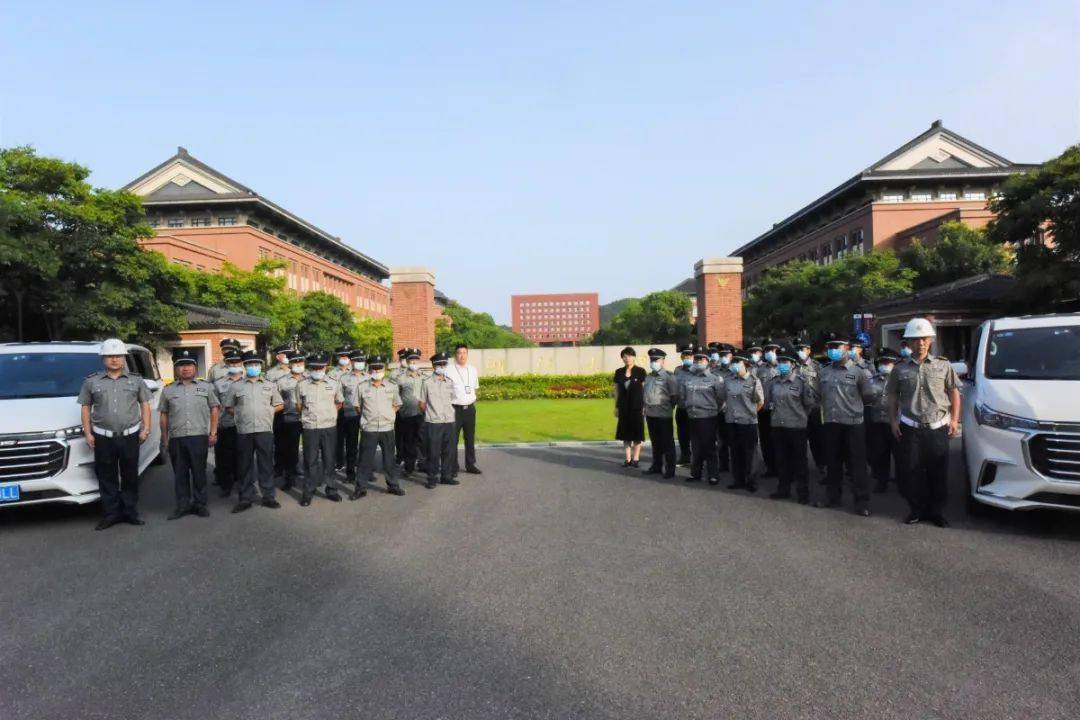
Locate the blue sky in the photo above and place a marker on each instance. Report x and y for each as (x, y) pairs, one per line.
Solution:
(535, 147)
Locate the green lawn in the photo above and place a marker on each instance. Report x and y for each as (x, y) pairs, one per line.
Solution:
(545, 420)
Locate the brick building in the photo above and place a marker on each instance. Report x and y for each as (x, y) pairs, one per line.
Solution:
(556, 319)
(937, 177)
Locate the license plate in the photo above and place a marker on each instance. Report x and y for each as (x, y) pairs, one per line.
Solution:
(9, 493)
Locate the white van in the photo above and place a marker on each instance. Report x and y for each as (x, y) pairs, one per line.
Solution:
(1021, 417)
(43, 455)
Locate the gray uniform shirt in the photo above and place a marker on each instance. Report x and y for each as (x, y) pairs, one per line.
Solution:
(811, 370)
(224, 388)
(923, 388)
(378, 403)
(350, 392)
(436, 392)
(188, 406)
(277, 372)
(217, 371)
(682, 374)
(765, 372)
(318, 401)
(845, 390)
(879, 405)
(337, 371)
(287, 387)
(409, 384)
(741, 398)
(702, 395)
(253, 403)
(661, 393)
(115, 405)
(791, 397)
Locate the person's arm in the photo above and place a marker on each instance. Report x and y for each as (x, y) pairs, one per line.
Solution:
(759, 393)
(164, 409)
(145, 431)
(88, 431)
(275, 399)
(952, 386)
(892, 402)
(397, 398)
(215, 415)
(423, 396)
(810, 396)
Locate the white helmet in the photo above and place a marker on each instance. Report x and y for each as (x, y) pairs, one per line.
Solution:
(112, 346)
(919, 327)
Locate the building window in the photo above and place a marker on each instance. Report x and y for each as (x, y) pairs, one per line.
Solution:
(892, 197)
(200, 222)
(226, 220)
(946, 196)
(857, 247)
(176, 222)
(974, 195)
(920, 197)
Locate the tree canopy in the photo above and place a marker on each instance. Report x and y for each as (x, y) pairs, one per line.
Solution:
(477, 330)
(659, 317)
(959, 251)
(70, 263)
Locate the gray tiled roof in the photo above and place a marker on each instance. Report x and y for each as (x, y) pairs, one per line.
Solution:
(984, 291)
(688, 286)
(201, 317)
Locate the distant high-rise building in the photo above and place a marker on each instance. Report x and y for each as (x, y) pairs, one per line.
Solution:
(556, 319)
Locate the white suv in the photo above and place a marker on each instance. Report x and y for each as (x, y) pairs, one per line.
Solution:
(1021, 439)
(43, 455)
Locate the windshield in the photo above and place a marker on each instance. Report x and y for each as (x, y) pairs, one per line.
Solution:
(45, 374)
(1050, 353)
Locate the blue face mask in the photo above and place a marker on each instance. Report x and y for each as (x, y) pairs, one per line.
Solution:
(770, 356)
(317, 374)
(784, 368)
(687, 362)
(755, 357)
(715, 357)
(252, 371)
(701, 367)
(905, 352)
(853, 355)
(736, 367)
(235, 369)
(835, 354)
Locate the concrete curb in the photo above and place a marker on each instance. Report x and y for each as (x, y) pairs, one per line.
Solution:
(564, 443)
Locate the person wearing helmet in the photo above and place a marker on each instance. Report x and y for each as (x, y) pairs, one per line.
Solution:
(743, 399)
(351, 383)
(221, 368)
(225, 449)
(289, 443)
(845, 390)
(253, 402)
(115, 421)
(189, 419)
(790, 398)
(924, 406)
(703, 396)
(880, 443)
(682, 421)
(318, 400)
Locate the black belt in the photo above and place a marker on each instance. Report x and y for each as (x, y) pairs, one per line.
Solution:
(464, 406)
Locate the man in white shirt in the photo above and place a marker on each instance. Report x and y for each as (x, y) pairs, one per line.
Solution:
(465, 380)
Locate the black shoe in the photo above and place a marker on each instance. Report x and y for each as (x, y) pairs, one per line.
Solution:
(241, 507)
(178, 513)
(358, 493)
(768, 474)
(473, 470)
(626, 463)
(201, 511)
(912, 518)
(134, 520)
(683, 461)
(826, 504)
(449, 481)
(395, 490)
(106, 523)
(714, 481)
(287, 486)
(804, 501)
(652, 470)
(669, 475)
(693, 478)
(332, 495)
(406, 473)
(779, 495)
(430, 485)
(881, 488)
(223, 493)
(736, 486)
(305, 500)
(271, 503)
(751, 487)
(862, 511)
(939, 520)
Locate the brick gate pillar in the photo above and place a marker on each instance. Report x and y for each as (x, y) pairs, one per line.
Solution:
(719, 300)
(412, 309)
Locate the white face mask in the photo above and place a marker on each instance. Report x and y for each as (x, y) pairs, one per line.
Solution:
(343, 362)
(803, 354)
(317, 374)
(755, 357)
(655, 366)
(377, 374)
(440, 369)
(412, 367)
(236, 369)
(298, 369)
(283, 359)
(885, 369)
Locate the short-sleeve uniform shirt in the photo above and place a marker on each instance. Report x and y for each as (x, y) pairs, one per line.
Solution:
(253, 404)
(188, 406)
(115, 403)
(224, 388)
(923, 389)
(318, 401)
(437, 393)
(377, 405)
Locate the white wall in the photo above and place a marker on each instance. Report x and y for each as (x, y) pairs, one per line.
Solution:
(561, 360)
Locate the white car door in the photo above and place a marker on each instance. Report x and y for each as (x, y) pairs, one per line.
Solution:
(143, 363)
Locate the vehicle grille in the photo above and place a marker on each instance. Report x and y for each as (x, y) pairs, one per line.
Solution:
(1056, 455)
(31, 459)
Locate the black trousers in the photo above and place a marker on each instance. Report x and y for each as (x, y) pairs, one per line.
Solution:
(465, 422)
(814, 436)
(339, 443)
(279, 445)
(255, 464)
(439, 439)
(225, 459)
(407, 433)
(350, 426)
(703, 447)
(723, 444)
(319, 445)
(682, 429)
(744, 440)
(846, 442)
(289, 445)
(369, 441)
(399, 440)
(789, 448)
(662, 436)
(880, 450)
(116, 464)
(765, 433)
(188, 458)
(923, 468)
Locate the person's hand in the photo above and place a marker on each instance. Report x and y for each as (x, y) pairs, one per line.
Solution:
(954, 427)
(213, 439)
(89, 440)
(164, 440)
(143, 434)
(616, 413)
(896, 429)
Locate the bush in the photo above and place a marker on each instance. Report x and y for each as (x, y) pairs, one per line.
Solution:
(553, 387)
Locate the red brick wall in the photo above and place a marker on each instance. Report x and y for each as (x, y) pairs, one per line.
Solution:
(412, 314)
(719, 297)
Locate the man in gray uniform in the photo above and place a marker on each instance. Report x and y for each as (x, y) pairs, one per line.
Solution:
(220, 369)
(289, 441)
(790, 397)
(766, 371)
(661, 395)
(857, 352)
(189, 419)
(743, 399)
(702, 396)
(350, 410)
(810, 368)
(275, 373)
(682, 422)
(924, 404)
(225, 449)
(253, 403)
(845, 389)
(379, 403)
(115, 422)
(436, 395)
(342, 365)
(318, 400)
(407, 426)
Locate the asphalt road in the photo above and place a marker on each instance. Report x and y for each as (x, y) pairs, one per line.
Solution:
(557, 585)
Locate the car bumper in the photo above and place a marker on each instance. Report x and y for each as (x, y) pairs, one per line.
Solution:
(1001, 473)
(75, 484)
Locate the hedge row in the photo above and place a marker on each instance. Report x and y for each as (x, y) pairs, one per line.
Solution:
(535, 387)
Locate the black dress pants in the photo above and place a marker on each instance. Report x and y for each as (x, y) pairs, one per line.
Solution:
(225, 459)
(880, 449)
(339, 442)
(371, 440)
(789, 446)
(744, 440)
(319, 448)
(662, 436)
(813, 436)
(723, 444)
(923, 468)
(409, 429)
(846, 442)
(765, 433)
(465, 422)
(682, 428)
(289, 444)
(350, 426)
(255, 464)
(116, 464)
(439, 438)
(279, 445)
(703, 447)
(188, 458)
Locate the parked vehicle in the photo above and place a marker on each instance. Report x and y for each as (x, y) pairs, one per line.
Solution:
(1021, 414)
(43, 455)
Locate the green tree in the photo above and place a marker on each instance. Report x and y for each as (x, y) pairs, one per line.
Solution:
(375, 336)
(659, 317)
(805, 297)
(327, 322)
(70, 263)
(959, 252)
(1039, 214)
(477, 330)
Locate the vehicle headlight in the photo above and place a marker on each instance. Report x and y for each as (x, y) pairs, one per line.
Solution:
(1003, 421)
(68, 433)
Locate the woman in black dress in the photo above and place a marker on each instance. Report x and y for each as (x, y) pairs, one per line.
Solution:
(630, 406)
